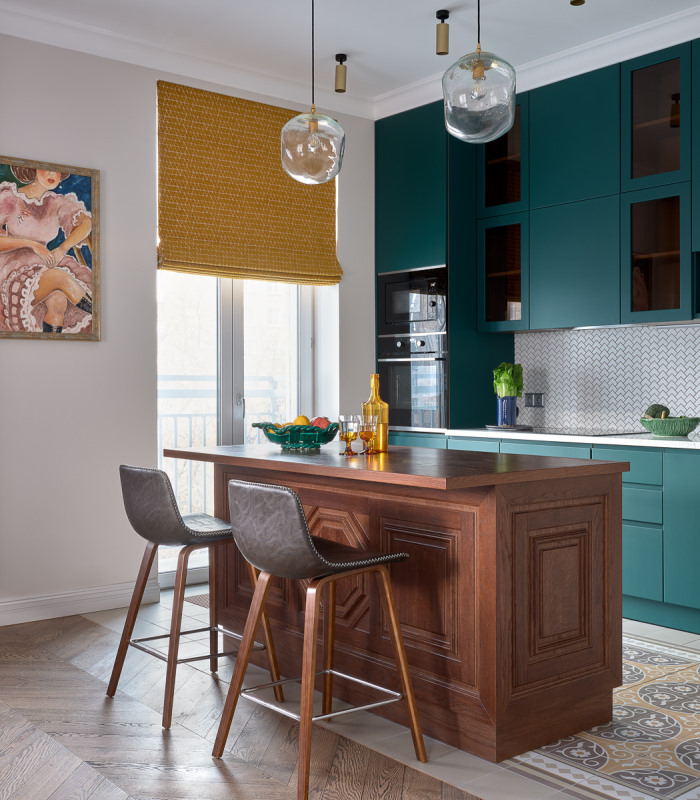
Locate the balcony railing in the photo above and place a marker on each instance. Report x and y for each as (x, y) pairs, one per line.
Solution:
(193, 482)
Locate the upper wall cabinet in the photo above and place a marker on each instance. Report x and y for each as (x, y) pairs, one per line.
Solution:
(411, 189)
(503, 167)
(574, 264)
(656, 115)
(695, 156)
(575, 138)
(503, 273)
(656, 276)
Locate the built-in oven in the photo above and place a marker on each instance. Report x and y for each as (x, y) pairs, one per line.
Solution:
(414, 301)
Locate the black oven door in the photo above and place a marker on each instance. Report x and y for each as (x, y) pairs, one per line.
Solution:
(416, 391)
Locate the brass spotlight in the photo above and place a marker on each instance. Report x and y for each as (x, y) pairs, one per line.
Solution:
(442, 33)
(341, 72)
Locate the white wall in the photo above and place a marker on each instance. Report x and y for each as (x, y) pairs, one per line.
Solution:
(71, 412)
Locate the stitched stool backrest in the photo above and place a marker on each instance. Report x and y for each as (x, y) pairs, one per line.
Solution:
(151, 506)
(269, 526)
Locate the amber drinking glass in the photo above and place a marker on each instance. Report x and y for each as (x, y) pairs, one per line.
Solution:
(349, 428)
(368, 430)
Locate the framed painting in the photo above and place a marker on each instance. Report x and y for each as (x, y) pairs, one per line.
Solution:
(49, 251)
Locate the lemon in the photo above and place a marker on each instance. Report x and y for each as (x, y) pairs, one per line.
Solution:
(302, 420)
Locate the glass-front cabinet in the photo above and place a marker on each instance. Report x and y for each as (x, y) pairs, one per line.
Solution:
(656, 118)
(503, 167)
(656, 259)
(503, 258)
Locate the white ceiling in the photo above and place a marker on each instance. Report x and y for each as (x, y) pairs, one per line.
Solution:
(264, 45)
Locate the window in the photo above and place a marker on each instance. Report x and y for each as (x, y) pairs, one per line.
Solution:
(230, 353)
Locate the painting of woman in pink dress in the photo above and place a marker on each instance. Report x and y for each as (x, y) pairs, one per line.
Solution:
(46, 282)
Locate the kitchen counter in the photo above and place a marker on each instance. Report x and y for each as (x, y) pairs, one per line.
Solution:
(510, 602)
(691, 442)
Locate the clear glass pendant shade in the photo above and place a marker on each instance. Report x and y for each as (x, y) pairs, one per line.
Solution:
(312, 148)
(479, 93)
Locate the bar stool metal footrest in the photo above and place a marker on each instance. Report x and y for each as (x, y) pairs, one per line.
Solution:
(394, 696)
(136, 643)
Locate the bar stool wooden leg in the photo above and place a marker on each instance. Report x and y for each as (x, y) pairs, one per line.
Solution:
(269, 644)
(216, 552)
(136, 598)
(306, 711)
(329, 647)
(257, 608)
(387, 595)
(175, 626)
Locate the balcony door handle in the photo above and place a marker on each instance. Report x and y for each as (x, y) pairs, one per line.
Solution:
(240, 401)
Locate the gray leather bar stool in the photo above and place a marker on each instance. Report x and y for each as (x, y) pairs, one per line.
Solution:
(269, 526)
(153, 513)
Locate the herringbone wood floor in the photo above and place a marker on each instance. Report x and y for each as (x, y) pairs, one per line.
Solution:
(61, 738)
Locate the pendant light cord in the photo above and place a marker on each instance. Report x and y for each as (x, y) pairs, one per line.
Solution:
(313, 54)
(478, 21)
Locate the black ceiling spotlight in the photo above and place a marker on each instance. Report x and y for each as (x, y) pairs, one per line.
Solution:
(442, 33)
(576, 2)
(341, 72)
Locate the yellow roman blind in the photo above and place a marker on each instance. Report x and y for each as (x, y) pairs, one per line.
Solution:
(225, 205)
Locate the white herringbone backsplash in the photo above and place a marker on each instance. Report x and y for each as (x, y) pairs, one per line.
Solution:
(607, 377)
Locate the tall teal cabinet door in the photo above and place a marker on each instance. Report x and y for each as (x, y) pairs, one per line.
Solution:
(656, 118)
(696, 149)
(411, 189)
(575, 139)
(682, 528)
(574, 264)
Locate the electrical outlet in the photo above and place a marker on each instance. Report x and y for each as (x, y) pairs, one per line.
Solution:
(534, 400)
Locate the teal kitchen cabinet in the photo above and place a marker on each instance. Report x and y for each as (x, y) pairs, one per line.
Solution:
(411, 189)
(472, 353)
(682, 528)
(503, 167)
(573, 450)
(655, 256)
(695, 155)
(642, 521)
(410, 439)
(656, 118)
(574, 264)
(473, 444)
(503, 273)
(575, 140)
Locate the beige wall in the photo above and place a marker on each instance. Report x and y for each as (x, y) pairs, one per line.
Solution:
(71, 412)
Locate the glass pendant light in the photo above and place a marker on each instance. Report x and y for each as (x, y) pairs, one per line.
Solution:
(312, 144)
(479, 93)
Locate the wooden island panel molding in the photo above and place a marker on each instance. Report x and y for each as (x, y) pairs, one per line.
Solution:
(510, 602)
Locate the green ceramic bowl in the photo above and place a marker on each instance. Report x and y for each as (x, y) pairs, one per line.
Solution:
(298, 437)
(671, 426)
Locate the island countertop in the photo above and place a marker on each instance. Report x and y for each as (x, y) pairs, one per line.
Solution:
(510, 601)
(405, 466)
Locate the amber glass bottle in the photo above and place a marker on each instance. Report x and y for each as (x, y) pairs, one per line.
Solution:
(375, 406)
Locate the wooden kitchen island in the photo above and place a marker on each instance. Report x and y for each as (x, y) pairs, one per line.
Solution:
(510, 602)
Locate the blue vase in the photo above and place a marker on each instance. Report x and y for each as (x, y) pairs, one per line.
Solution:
(506, 411)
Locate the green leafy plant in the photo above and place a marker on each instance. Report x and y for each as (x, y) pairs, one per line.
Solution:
(508, 380)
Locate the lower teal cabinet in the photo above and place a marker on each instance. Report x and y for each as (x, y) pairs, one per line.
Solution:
(575, 264)
(646, 463)
(642, 504)
(478, 445)
(407, 439)
(642, 561)
(541, 449)
(682, 528)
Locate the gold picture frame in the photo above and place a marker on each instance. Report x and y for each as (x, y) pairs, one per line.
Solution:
(49, 251)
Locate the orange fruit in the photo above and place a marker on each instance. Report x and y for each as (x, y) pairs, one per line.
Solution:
(302, 420)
